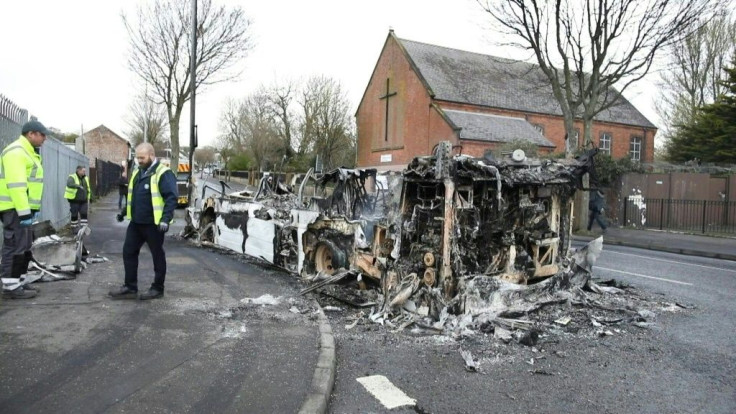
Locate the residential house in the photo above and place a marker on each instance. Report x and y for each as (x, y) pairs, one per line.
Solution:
(103, 144)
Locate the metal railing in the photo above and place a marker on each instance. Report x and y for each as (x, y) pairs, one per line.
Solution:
(105, 176)
(699, 216)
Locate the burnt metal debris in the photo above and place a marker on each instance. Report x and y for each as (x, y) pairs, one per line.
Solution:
(53, 257)
(453, 243)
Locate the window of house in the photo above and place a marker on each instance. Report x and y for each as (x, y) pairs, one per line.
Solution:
(605, 144)
(540, 128)
(635, 148)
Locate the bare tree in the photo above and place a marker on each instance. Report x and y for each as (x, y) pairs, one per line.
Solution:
(287, 122)
(694, 76)
(249, 126)
(204, 155)
(586, 48)
(146, 116)
(232, 127)
(327, 126)
(281, 99)
(160, 51)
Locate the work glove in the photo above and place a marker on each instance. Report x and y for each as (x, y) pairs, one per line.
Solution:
(120, 217)
(36, 216)
(26, 222)
(163, 227)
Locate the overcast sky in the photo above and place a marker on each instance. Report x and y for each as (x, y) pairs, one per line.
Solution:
(66, 61)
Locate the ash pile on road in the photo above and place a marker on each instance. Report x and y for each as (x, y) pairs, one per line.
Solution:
(569, 304)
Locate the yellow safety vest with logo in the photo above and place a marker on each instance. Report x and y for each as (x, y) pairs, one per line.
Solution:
(71, 192)
(156, 199)
(21, 177)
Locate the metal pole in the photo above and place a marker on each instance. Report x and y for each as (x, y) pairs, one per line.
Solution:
(705, 202)
(661, 214)
(192, 99)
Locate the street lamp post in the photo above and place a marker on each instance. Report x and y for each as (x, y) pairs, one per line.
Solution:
(192, 101)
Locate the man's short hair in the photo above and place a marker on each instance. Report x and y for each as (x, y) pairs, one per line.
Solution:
(80, 167)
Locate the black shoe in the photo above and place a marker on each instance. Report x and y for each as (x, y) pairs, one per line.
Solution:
(123, 293)
(151, 294)
(19, 293)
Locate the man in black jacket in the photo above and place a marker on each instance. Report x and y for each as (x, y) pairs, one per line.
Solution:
(152, 197)
(122, 191)
(78, 193)
(596, 206)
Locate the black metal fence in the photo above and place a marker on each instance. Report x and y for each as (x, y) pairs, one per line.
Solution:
(700, 216)
(104, 177)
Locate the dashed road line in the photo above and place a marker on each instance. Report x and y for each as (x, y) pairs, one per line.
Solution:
(645, 276)
(387, 393)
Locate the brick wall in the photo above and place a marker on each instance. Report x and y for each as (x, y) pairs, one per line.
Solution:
(102, 143)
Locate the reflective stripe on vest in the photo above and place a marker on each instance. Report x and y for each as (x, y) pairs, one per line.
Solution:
(156, 200)
(24, 193)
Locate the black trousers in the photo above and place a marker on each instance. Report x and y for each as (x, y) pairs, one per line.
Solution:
(594, 216)
(136, 235)
(17, 242)
(78, 208)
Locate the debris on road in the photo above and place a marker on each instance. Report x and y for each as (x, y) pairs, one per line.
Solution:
(263, 300)
(470, 364)
(53, 257)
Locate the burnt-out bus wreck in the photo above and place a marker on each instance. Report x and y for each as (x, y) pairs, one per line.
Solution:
(451, 233)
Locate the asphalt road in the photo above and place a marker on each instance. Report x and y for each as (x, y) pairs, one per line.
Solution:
(200, 349)
(686, 363)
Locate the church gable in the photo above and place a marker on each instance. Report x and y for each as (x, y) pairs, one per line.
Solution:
(393, 114)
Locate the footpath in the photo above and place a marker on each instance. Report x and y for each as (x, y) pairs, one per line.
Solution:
(229, 336)
(665, 241)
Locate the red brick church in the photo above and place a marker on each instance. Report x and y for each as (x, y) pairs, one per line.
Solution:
(420, 94)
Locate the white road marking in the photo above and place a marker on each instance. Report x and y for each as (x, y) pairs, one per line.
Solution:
(673, 261)
(640, 275)
(387, 393)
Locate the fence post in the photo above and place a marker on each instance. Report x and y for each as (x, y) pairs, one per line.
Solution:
(704, 205)
(661, 213)
(626, 208)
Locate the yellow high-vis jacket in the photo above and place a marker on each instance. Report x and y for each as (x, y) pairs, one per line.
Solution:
(21, 178)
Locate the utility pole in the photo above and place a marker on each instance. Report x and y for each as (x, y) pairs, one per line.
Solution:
(192, 105)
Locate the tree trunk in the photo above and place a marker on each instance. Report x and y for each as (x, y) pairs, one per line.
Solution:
(570, 142)
(588, 131)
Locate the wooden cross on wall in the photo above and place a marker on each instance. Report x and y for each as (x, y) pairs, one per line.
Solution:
(387, 96)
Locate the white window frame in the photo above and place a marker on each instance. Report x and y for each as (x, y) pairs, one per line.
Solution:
(635, 145)
(605, 142)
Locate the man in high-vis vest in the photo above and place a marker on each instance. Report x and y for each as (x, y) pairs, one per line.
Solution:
(21, 188)
(78, 193)
(152, 197)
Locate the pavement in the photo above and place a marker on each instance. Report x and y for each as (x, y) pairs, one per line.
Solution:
(667, 241)
(229, 336)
